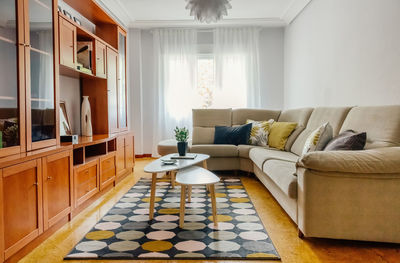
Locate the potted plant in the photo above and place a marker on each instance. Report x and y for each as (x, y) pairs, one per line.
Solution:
(182, 136)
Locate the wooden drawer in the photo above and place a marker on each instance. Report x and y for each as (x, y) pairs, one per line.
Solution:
(107, 163)
(109, 174)
(86, 182)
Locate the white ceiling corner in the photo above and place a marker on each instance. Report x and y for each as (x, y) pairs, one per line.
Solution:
(294, 9)
(172, 13)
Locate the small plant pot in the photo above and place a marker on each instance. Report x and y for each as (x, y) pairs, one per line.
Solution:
(182, 148)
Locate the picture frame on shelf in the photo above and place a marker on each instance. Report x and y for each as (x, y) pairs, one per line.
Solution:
(77, 21)
(67, 14)
(65, 126)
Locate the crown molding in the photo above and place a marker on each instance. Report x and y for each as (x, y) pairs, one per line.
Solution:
(294, 9)
(117, 10)
(264, 22)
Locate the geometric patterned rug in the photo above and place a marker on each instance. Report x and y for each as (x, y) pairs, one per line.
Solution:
(126, 233)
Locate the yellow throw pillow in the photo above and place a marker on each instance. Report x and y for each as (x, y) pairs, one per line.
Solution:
(279, 134)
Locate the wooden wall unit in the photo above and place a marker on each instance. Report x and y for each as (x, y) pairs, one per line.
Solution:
(101, 58)
(112, 89)
(57, 187)
(44, 183)
(67, 43)
(22, 205)
(86, 181)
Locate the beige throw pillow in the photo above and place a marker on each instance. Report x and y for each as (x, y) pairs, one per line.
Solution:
(259, 132)
(318, 139)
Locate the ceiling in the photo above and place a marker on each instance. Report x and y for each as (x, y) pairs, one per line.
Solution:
(159, 13)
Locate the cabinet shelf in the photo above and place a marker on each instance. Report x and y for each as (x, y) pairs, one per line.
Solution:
(7, 98)
(75, 73)
(43, 4)
(7, 40)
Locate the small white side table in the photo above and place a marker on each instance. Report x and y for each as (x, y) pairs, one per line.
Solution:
(157, 166)
(196, 175)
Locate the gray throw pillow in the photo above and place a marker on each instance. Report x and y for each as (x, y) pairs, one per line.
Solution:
(347, 141)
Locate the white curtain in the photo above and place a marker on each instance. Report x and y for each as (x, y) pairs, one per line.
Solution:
(175, 79)
(237, 66)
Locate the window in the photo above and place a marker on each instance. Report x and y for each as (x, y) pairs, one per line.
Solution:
(232, 93)
(206, 80)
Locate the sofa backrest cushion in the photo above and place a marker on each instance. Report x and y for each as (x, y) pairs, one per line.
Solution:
(334, 115)
(204, 122)
(240, 116)
(382, 124)
(300, 116)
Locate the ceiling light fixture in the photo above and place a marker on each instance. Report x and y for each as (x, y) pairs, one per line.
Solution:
(208, 10)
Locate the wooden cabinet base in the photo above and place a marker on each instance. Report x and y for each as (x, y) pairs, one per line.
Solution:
(37, 241)
(41, 193)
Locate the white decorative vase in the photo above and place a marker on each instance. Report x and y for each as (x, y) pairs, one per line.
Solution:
(86, 118)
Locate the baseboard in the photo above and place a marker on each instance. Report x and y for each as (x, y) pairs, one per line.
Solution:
(146, 155)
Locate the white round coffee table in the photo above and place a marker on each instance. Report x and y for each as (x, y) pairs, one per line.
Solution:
(196, 175)
(157, 166)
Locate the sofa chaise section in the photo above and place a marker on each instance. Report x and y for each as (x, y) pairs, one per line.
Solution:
(281, 184)
(354, 194)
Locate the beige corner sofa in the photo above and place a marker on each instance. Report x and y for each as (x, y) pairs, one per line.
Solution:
(339, 194)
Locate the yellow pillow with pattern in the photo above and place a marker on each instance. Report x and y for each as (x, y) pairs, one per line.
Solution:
(279, 134)
(259, 132)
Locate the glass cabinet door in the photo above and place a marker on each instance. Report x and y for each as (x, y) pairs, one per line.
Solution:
(9, 86)
(41, 73)
(122, 116)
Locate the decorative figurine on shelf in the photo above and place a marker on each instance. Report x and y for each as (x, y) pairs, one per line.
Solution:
(86, 121)
(182, 136)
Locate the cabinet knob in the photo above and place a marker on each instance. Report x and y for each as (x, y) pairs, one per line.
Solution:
(49, 177)
(36, 183)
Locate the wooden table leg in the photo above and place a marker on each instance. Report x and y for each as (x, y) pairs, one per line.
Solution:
(152, 195)
(214, 204)
(182, 210)
(205, 164)
(205, 167)
(173, 173)
(189, 193)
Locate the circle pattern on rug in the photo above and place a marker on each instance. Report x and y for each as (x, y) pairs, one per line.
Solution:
(126, 232)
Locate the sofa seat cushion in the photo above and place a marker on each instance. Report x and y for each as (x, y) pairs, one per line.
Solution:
(216, 150)
(260, 155)
(244, 149)
(169, 146)
(282, 173)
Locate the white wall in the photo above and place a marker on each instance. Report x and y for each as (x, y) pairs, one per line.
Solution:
(271, 67)
(343, 52)
(142, 82)
(70, 93)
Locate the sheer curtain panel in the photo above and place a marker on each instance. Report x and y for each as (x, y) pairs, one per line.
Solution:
(237, 66)
(175, 79)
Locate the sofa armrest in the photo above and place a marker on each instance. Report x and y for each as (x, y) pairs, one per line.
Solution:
(373, 161)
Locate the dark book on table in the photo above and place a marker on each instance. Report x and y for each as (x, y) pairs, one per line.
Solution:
(188, 156)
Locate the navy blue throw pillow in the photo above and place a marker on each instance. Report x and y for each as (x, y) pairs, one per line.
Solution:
(232, 135)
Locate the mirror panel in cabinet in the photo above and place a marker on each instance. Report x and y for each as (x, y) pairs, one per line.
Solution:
(122, 81)
(43, 125)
